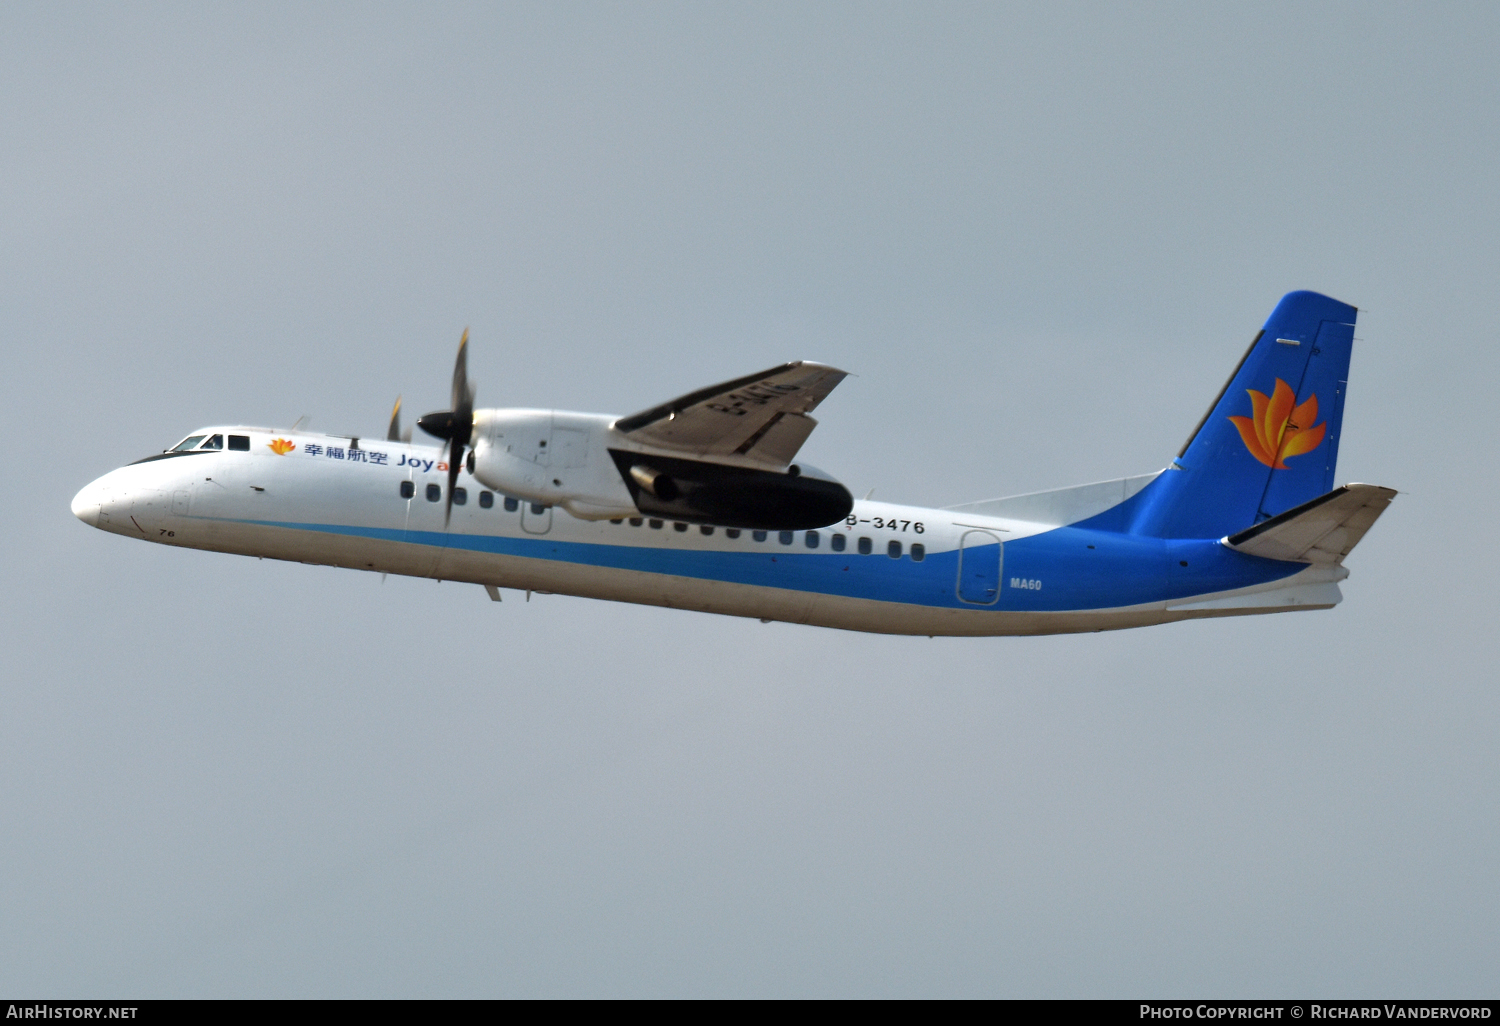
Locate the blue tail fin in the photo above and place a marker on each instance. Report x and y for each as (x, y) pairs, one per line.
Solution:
(1271, 439)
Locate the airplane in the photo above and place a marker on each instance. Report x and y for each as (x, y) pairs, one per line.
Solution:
(699, 503)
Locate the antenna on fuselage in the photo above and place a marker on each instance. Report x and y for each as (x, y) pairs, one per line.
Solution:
(302, 421)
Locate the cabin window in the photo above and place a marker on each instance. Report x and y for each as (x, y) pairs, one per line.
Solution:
(893, 550)
(187, 443)
(612, 520)
(758, 535)
(731, 532)
(812, 539)
(408, 489)
(785, 537)
(656, 525)
(636, 521)
(487, 500)
(918, 552)
(679, 526)
(705, 530)
(460, 496)
(864, 547)
(434, 493)
(239, 443)
(837, 543)
(214, 442)
(537, 509)
(512, 504)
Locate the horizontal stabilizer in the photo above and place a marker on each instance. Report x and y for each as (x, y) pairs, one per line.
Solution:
(1321, 531)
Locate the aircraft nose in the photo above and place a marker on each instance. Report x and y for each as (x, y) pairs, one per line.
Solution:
(86, 504)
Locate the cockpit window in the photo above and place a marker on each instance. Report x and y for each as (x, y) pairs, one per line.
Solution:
(214, 442)
(187, 443)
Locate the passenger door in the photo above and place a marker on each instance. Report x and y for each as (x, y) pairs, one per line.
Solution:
(979, 559)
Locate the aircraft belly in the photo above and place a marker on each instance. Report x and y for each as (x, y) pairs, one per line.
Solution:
(854, 613)
(624, 585)
(872, 594)
(771, 603)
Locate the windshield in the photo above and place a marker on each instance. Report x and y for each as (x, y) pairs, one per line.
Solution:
(187, 443)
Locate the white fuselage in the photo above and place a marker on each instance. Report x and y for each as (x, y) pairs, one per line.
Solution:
(338, 501)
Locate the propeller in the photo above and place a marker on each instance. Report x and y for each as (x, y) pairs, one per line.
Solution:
(395, 433)
(457, 424)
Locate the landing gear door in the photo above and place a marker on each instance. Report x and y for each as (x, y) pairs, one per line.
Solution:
(536, 518)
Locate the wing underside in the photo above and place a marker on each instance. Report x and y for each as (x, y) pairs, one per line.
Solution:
(761, 419)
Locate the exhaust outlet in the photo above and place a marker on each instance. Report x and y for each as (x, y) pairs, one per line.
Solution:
(659, 485)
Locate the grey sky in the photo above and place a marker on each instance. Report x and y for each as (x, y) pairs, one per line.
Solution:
(1040, 236)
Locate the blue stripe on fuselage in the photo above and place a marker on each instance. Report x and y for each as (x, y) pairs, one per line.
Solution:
(1065, 569)
(1079, 568)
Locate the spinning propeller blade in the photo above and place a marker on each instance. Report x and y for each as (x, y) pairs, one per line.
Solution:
(394, 434)
(457, 424)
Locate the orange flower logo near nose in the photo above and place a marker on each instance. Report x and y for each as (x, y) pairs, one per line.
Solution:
(280, 446)
(1277, 430)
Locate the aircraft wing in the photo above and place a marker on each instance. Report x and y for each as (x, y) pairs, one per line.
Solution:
(762, 418)
(1321, 531)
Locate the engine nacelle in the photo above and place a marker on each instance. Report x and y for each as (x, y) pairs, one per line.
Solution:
(578, 461)
(553, 458)
(715, 493)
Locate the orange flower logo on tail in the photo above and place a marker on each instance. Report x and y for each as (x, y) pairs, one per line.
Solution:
(1276, 431)
(281, 446)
